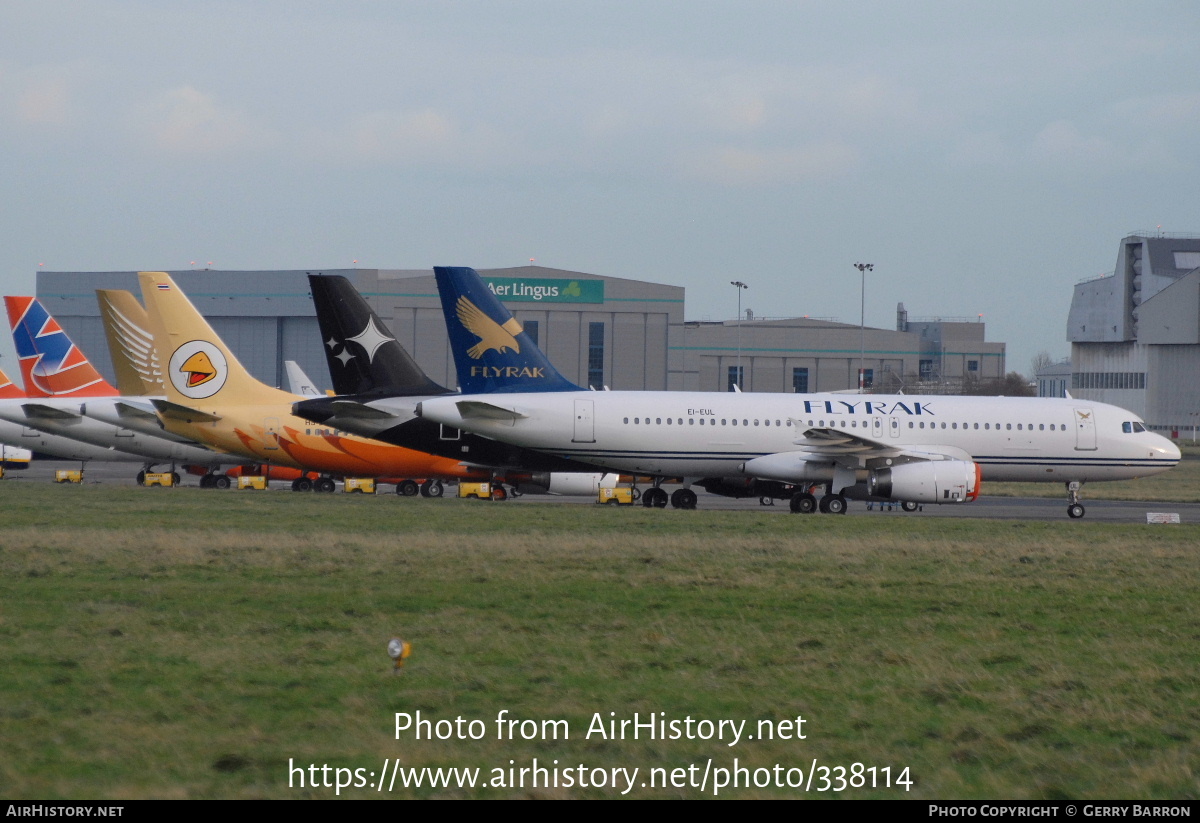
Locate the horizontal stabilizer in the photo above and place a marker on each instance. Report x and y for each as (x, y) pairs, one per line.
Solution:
(349, 409)
(486, 411)
(38, 411)
(136, 411)
(175, 411)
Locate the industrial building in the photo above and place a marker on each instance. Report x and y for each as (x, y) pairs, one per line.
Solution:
(1135, 333)
(599, 331)
(921, 356)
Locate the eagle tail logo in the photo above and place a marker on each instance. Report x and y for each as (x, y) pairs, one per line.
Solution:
(491, 334)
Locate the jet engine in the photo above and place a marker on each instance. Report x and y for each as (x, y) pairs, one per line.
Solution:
(582, 484)
(934, 481)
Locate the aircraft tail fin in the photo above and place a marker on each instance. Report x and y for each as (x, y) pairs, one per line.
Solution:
(363, 355)
(197, 363)
(51, 364)
(131, 344)
(491, 351)
(299, 382)
(9, 389)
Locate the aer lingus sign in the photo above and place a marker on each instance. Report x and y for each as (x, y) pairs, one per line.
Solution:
(538, 290)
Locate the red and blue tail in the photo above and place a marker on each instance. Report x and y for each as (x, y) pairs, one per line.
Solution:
(9, 389)
(50, 363)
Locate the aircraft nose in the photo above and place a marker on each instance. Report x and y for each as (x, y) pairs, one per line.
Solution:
(1172, 451)
(1167, 449)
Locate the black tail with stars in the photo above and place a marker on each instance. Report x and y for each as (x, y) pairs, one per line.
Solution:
(364, 358)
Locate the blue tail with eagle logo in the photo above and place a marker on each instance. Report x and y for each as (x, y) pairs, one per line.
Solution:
(491, 351)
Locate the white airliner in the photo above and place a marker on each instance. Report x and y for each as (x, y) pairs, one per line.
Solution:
(915, 449)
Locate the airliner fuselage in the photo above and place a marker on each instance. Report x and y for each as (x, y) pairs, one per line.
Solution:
(692, 434)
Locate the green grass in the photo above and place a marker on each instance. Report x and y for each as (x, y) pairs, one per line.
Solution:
(188, 643)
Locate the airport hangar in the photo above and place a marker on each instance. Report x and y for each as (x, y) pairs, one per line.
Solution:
(1135, 333)
(599, 331)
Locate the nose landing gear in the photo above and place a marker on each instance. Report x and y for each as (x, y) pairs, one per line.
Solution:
(1074, 509)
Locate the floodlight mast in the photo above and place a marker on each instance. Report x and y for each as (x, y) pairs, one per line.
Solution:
(740, 287)
(863, 268)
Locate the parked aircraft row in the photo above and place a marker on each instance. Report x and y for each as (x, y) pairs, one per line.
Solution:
(184, 399)
(210, 412)
(916, 449)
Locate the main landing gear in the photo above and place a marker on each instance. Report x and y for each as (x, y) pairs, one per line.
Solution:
(656, 497)
(805, 502)
(1074, 509)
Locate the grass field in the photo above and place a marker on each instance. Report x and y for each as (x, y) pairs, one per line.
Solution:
(191, 644)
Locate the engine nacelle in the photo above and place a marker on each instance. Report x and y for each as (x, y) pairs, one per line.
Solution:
(934, 481)
(787, 467)
(580, 484)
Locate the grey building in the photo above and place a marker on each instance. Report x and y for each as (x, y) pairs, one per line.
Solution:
(1054, 380)
(599, 331)
(1135, 334)
(928, 356)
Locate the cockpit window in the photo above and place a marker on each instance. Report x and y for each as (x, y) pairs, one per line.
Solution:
(1133, 427)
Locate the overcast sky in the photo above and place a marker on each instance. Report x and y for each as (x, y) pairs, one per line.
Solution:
(983, 156)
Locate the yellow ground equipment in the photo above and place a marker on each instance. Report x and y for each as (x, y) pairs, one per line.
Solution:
(159, 479)
(482, 491)
(616, 489)
(68, 475)
(361, 485)
(253, 481)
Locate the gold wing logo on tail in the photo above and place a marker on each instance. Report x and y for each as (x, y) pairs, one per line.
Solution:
(491, 334)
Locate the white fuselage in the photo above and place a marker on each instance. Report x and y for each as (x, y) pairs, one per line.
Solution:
(705, 434)
(73, 423)
(56, 446)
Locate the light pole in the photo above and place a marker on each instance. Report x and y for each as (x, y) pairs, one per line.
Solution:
(740, 288)
(863, 268)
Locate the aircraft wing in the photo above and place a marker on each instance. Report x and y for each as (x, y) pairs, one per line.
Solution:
(841, 446)
(176, 411)
(39, 411)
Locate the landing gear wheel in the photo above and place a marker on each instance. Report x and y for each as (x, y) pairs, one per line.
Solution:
(408, 488)
(683, 499)
(141, 478)
(803, 503)
(910, 506)
(175, 478)
(221, 481)
(325, 485)
(654, 498)
(303, 484)
(432, 488)
(1075, 511)
(499, 494)
(833, 504)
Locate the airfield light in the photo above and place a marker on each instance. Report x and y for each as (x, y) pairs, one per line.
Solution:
(740, 287)
(398, 650)
(863, 268)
